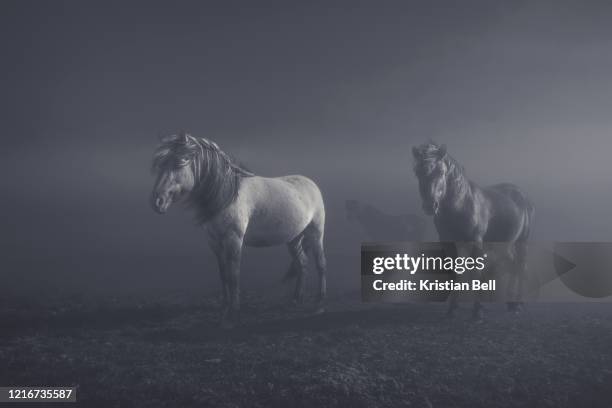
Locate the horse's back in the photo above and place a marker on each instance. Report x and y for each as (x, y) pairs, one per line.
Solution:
(306, 189)
(284, 188)
(514, 193)
(304, 185)
(511, 212)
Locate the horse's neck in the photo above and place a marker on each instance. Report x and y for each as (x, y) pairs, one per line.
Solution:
(459, 192)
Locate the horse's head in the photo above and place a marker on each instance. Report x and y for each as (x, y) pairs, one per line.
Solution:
(174, 167)
(431, 170)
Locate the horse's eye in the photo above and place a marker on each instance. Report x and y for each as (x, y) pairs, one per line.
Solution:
(179, 164)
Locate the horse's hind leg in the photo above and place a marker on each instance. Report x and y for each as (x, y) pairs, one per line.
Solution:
(313, 241)
(298, 267)
(519, 272)
(510, 291)
(321, 262)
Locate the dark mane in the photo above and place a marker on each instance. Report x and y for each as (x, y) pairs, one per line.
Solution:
(428, 154)
(217, 177)
(464, 212)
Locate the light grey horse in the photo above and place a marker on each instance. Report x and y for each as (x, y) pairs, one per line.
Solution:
(238, 208)
(464, 212)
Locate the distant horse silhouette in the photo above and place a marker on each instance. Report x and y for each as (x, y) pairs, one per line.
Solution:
(463, 211)
(383, 227)
(239, 208)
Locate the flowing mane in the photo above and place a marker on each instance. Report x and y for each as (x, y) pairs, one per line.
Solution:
(430, 153)
(216, 176)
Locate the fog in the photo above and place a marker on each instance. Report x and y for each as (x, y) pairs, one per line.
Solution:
(519, 92)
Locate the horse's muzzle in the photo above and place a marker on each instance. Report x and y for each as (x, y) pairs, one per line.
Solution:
(160, 204)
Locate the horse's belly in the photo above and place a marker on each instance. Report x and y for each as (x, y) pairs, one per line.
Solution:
(276, 226)
(278, 233)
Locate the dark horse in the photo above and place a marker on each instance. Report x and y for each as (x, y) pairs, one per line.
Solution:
(465, 212)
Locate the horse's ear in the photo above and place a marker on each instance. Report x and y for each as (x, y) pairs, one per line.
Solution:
(183, 136)
(415, 152)
(442, 151)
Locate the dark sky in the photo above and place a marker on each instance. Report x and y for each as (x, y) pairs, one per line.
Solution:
(339, 91)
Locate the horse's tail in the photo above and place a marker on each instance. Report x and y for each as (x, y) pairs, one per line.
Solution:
(528, 219)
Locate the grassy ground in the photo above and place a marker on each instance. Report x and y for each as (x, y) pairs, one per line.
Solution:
(170, 353)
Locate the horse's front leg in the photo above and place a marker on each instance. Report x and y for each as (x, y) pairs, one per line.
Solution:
(478, 309)
(225, 293)
(462, 250)
(231, 250)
